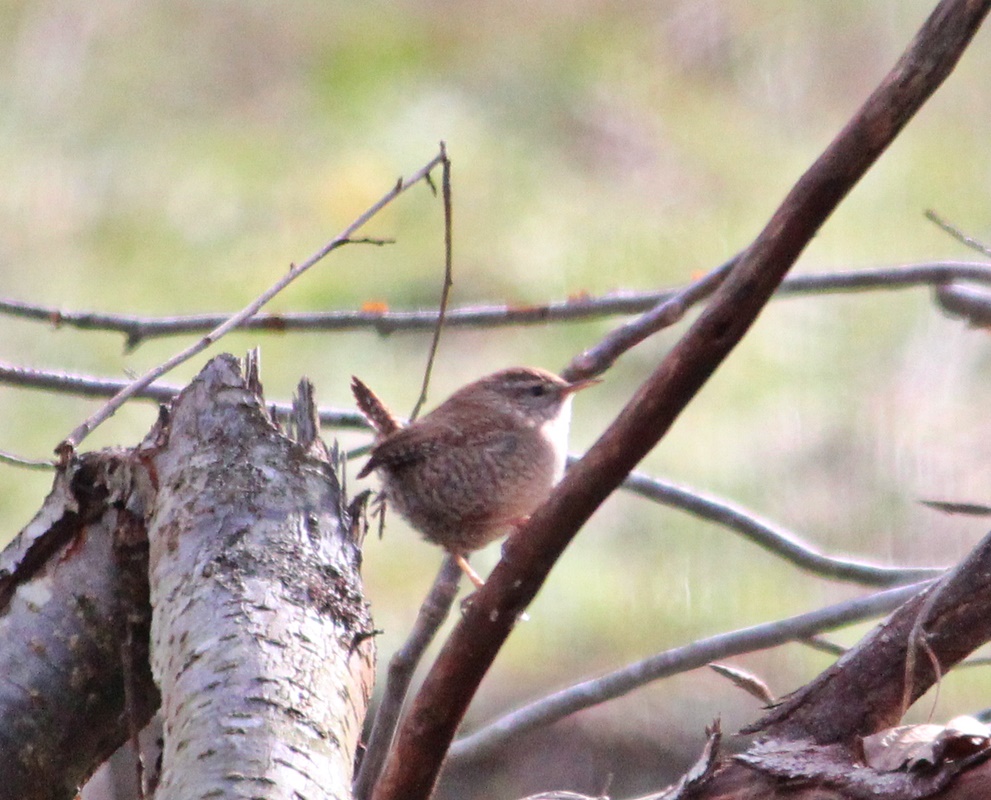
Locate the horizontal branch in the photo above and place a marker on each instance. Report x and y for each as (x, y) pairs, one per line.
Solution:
(137, 328)
(673, 662)
(765, 534)
(89, 386)
(772, 538)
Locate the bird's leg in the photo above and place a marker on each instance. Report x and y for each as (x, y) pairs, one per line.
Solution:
(466, 568)
(476, 579)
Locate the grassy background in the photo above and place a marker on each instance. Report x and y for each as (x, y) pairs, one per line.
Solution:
(165, 158)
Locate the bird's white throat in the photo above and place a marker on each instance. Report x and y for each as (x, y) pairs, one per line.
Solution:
(555, 432)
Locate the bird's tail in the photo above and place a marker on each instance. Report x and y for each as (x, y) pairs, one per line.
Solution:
(380, 418)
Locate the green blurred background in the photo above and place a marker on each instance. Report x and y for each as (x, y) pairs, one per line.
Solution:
(165, 158)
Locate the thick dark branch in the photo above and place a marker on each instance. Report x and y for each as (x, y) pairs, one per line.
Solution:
(63, 580)
(529, 555)
(862, 693)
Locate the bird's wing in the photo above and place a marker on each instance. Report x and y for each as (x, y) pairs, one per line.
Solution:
(403, 448)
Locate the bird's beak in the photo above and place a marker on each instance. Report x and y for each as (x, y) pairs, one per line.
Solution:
(577, 386)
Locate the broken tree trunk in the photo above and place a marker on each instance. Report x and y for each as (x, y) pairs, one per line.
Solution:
(259, 630)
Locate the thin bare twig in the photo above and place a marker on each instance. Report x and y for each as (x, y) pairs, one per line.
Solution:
(573, 309)
(403, 664)
(596, 360)
(956, 233)
(445, 292)
(772, 538)
(763, 533)
(721, 512)
(615, 684)
(823, 645)
(68, 445)
(27, 463)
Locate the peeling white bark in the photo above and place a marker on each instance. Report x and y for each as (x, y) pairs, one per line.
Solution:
(258, 640)
(259, 622)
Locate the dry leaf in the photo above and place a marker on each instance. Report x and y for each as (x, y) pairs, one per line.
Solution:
(747, 681)
(910, 747)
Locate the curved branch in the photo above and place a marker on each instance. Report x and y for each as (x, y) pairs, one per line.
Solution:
(764, 534)
(771, 538)
(529, 555)
(965, 302)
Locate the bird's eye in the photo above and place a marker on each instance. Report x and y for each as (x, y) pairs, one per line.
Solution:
(537, 390)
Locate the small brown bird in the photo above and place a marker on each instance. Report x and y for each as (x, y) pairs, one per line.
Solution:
(480, 463)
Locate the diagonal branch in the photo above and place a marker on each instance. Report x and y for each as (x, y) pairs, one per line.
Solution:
(763, 533)
(956, 233)
(68, 445)
(866, 694)
(529, 555)
(668, 311)
(586, 694)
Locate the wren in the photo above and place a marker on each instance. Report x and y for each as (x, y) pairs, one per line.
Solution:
(479, 464)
